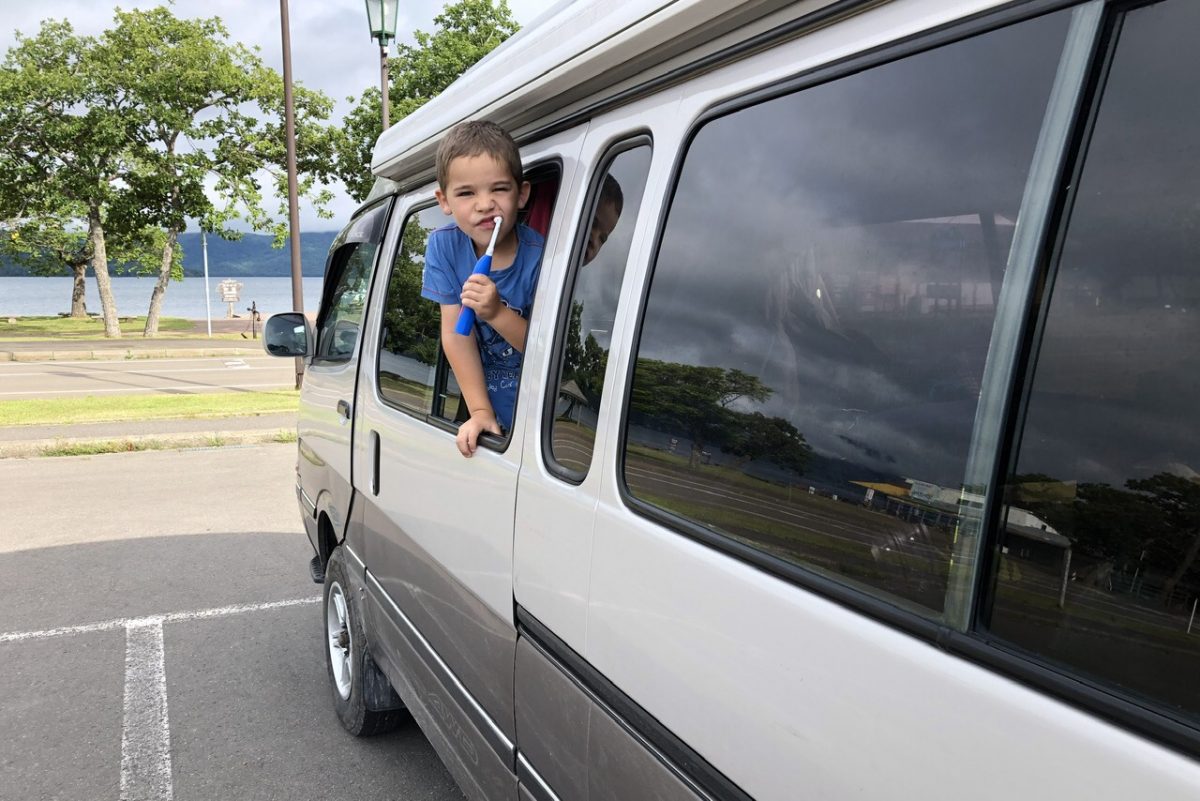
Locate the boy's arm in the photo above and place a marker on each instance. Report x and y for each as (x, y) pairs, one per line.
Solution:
(463, 355)
(480, 294)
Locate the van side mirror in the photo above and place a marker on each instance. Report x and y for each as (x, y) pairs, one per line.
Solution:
(286, 334)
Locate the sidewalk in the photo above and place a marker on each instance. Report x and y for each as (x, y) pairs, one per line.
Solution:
(26, 441)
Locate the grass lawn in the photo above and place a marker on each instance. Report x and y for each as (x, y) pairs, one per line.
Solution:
(68, 411)
(93, 328)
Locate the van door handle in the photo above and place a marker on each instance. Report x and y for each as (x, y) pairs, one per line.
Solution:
(343, 409)
(374, 462)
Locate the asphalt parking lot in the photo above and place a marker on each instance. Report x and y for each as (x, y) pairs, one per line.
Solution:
(160, 639)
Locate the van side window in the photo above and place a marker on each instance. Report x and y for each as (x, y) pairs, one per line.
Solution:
(413, 373)
(599, 266)
(347, 276)
(409, 342)
(814, 337)
(1098, 564)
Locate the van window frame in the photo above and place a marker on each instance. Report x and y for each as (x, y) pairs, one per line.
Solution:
(387, 205)
(970, 643)
(627, 142)
(441, 368)
(422, 202)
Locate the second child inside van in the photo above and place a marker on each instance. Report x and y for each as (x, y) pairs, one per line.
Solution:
(479, 179)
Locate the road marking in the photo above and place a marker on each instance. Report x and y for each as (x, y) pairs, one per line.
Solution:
(146, 726)
(146, 731)
(172, 617)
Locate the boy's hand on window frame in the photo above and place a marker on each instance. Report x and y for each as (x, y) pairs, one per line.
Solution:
(467, 438)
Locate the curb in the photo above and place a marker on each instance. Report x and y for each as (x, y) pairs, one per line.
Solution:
(36, 448)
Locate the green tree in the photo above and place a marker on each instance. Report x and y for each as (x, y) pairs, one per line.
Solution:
(47, 244)
(692, 399)
(464, 32)
(126, 130)
(1178, 545)
(584, 360)
(59, 150)
(206, 109)
(757, 436)
(411, 324)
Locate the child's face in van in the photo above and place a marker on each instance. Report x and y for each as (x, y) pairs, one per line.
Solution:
(478, 189)
(603, 223)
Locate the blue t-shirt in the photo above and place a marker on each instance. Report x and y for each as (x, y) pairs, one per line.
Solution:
(449, 260)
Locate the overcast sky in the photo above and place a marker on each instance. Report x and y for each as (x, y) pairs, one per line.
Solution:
(331, 48)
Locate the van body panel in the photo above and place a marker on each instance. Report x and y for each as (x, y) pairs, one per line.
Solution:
(323, 438)
(481, 773)
(461, 629)
(800, 677)
(555, 517)
(553, 720)
(577, 746)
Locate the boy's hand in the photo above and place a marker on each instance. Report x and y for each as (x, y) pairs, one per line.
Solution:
(468, 433)
(480, 293)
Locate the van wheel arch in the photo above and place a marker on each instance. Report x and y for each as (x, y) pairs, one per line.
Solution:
(327, 539)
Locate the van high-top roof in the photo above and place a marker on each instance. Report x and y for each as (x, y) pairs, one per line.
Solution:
(587, 55)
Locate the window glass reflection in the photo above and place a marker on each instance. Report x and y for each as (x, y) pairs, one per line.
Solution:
(409, 343)
(593, 308)
(1098, 568)
(819, 316)
(348, 274)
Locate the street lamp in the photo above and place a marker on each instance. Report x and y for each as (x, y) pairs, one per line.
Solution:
(382, 16)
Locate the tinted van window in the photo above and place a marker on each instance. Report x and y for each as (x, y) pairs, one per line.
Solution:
(819, 314)
(347, 279)
(1098, 569)
(600, 268)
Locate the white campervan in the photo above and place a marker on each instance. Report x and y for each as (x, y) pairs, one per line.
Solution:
(860, 462)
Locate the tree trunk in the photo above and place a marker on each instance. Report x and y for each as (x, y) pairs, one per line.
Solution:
(79, 289)
(112, 328)
(160, 286)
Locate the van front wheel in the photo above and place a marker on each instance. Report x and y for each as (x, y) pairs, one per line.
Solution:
(364, 700)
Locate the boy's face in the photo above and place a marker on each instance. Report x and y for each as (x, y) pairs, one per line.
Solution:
(603, 223)
(479, 188)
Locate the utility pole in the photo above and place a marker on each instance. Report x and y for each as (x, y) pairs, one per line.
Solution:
(289, 118)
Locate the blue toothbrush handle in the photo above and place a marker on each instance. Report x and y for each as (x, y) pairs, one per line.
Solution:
(466, 317)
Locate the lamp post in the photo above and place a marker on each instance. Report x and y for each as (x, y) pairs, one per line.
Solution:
(382, 16)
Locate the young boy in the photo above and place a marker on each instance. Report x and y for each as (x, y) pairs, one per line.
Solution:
(480, 178)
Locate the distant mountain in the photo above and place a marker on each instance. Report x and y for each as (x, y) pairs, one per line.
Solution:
(252, 255)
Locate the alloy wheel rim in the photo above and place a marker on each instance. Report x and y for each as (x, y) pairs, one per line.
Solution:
(337, 633)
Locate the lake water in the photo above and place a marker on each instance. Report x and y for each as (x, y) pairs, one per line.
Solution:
(46, 297)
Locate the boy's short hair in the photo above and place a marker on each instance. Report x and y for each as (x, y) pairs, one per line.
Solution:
(473, 138)
(610, 192)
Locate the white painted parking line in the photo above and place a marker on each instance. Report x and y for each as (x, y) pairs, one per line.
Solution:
(171, 617)
(146, 727)
(146, 732)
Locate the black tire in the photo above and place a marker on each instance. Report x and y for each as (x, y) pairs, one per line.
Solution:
(363, 697)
